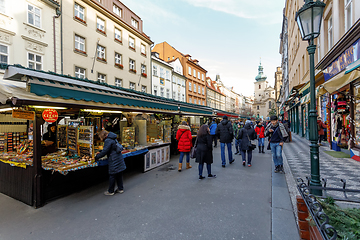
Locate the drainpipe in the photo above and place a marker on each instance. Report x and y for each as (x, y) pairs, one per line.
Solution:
(58, 13)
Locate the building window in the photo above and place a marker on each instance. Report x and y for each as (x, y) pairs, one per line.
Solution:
(348, 14)
(202, 76)
(143, 49)
(132, 43)
(178, 81)
(79, 12)
(194, 88)
(4, 54)
(195, 101)
(117, 10)
(34, 61)
(203, 91)
(183, 83)
(174, 95)
(2, 6)
(258, 107)
(100, 25)
(134, 23)
(330, 33)
(101, 53)
(132, 86)
(101, 77)
(173, 79)
(143, 88)
(167, 93)
(34, 15)
(161, 72)
(167, 75)
(190, 100)
(189, 86)
(161, 92)
(131, 64)
(179, 96)
(118, 59)
(189, 70)
(79, 72)
(155, 90)
(183, 98)
(199, 91)
(80, 44)
(118, 82)
(143, 69)
(198, 75)
(194, 72)
(259, 86)
(269, 104)
(118, 35)
(155, 73)
(204, 103)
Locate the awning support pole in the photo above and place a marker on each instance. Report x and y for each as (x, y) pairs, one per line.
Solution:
(38, 179)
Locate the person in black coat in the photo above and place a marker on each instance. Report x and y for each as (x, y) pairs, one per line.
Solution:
(225, 133)
(115, 160)
(204, 151)
(246, 134)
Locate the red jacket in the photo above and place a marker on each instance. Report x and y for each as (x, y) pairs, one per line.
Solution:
(260, 131)
(322, 126)
(184, 137)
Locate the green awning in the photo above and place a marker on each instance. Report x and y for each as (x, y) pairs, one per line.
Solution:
(353, 66)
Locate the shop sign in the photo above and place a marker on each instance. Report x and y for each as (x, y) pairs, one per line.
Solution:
(349, 56)
(22, 114)
(50, 115)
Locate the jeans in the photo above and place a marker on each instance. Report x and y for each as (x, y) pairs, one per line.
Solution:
(222, 145)
(261, 141)
(118, 177)
(321, 138)
(276, 151)
(249, 154)
(214, 139)
(182, 156)
(201, 167)
(237, 145)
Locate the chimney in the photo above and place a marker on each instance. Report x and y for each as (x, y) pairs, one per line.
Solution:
(195, 61)
(188, 57)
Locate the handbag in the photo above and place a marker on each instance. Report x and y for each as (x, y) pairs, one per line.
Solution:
(119, 147)
(193, 150)
(252, 146)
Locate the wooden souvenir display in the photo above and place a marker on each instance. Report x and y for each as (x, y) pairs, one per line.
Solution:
(85, 141)
(61, 138)
(72, 140)
(128, 137)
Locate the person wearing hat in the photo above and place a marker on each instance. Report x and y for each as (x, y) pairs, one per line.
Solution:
(320, 127)
(225, 133)
(277, 133)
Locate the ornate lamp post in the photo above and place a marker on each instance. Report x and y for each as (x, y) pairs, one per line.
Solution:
(309, 19)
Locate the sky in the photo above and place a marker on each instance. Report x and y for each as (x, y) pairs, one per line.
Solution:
(228, 37)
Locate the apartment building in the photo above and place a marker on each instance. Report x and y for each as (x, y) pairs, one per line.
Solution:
(278, 86)
(178, 81)
(161, 77)
(104, 40)
(29, 34)
(195, 74)
(214, 97)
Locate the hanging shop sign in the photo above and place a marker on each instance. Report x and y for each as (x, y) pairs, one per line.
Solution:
(349, 56)
(50, 115)
(27, 115)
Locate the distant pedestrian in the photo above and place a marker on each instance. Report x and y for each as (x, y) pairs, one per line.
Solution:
(237, 142)
(260, 131)
(116, 163)
(204, 151)
(246, 134)
(213, 127)
(320, 127)
(225, 133)
(277, 133)
(184, 137)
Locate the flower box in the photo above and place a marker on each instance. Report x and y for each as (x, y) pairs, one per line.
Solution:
(132, 48)
(101, 59)
(118, 40)
(144, 74)
(77, 18)
(144, 54)
(132, 70)
(103, 32)
(119, 65)
(78, 50)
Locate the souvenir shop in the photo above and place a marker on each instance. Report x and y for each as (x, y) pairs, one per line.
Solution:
(48, 137)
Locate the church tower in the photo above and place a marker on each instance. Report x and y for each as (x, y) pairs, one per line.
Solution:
(260, 84)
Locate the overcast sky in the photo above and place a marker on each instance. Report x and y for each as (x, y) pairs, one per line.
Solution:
(228, 37)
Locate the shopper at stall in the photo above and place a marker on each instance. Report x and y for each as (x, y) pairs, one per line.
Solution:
(277, 133)
(225, 133)
(49, 140)
(184, 138)
(213, 127)
(260, 131)
(320, 127)
(116, 161)
(204, 151)
(246, 134)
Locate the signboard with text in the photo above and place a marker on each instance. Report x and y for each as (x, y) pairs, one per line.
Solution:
(21, 114)
(50, 115)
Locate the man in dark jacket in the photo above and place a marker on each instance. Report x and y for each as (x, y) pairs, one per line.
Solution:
(278, 135)
(225, 133)
(115, 161)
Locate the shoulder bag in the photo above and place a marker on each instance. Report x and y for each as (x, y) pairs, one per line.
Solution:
(193, 150)
(252, 144)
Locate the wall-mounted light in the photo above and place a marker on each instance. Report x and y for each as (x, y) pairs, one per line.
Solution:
(101, 111)
(46, 107)
(5, 109)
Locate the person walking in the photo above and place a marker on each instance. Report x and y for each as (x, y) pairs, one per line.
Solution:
(225, 133)
(116, 161)
(213, 127)
(320, 127)
(277, 133)
(260, 131)
(246, 134)
(184, 138)
(204, 151)
(237, 141)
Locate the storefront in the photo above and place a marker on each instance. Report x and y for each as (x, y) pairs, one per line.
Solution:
(35, 169)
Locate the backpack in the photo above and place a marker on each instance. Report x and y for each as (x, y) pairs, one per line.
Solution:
(119, 147)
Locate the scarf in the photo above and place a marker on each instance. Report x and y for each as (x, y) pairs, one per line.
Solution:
(282, 129)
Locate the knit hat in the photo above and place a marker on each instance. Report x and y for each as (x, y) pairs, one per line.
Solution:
(225, 117)
(273, 118)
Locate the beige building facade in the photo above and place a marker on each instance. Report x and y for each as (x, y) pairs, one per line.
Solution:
(103, 40)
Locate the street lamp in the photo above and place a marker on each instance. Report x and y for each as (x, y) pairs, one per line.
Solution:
(309, 19)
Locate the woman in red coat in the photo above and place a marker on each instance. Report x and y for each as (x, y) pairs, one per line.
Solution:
(184, 138)
(321, 127)
(260, 131)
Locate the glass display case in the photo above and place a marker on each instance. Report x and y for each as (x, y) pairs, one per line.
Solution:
(128, 137)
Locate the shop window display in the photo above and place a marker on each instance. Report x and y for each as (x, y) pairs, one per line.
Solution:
(340, 120)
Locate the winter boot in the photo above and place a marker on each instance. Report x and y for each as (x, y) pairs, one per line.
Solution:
(188, 165)
(259, 149)
(180, 166)
(262, 149)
